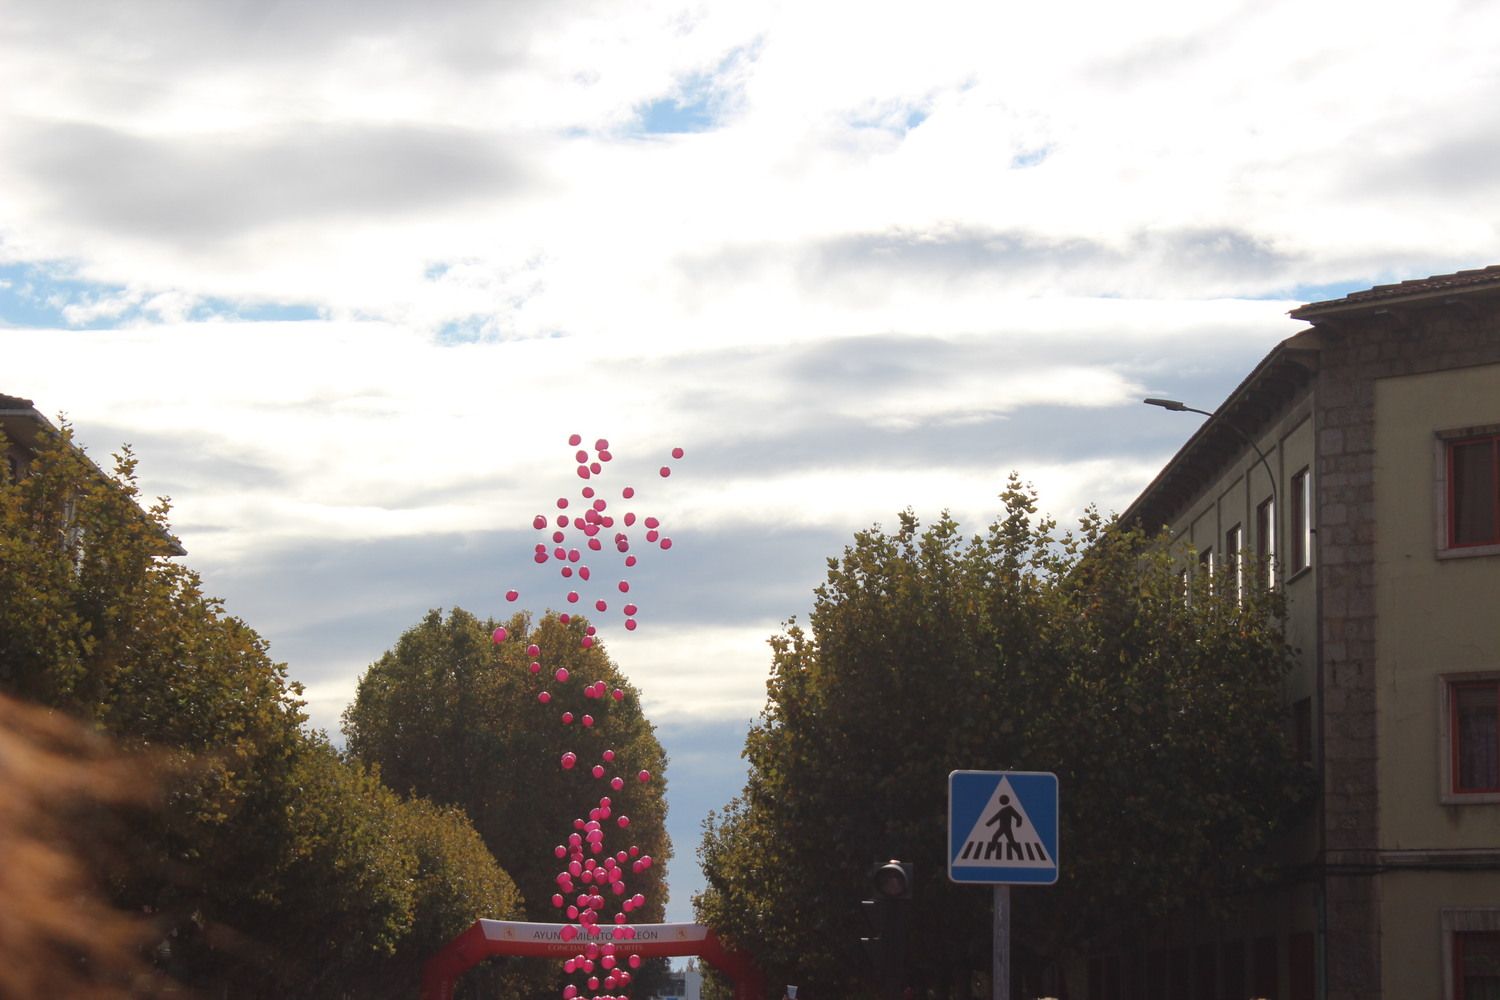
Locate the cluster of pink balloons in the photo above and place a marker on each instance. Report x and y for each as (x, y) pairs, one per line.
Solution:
(573, 538)
(594, 881)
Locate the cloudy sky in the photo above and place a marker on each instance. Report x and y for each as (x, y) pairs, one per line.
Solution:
(348, 274)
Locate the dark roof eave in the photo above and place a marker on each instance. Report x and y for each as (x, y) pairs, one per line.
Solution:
(1291, 364)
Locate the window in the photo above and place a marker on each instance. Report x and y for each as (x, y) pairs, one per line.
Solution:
(1234, 560)
(1265, 540)
(1265, 969)
(1476, 965)
(1473, 491)
(1473, 714)
(1300, 540)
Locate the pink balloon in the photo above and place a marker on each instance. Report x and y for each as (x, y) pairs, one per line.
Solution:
(590, 630)
(624, 586)
(624, 821)
(574, 440)
(568, 933)
(601, 445)
(643, 777)
(676, 452)
(499, 635)
(629, 560)
(574, 555)
(635, 961)
(562, 503)
(605, 456)
(588, 720)
(583, 472)
(608, 756)
(560, 851)
(652, 522)
(666, 543)
(628, 492)
(599, 504)
(629, 609)
(595, 544)
(597, 771)
(619, 695)
(539, 522)
(569, 759)
(558, 536)
(564, 618)
(582, 457)
(533, 650)
(544, 697)
(587, 492)
(572, 597)
(617, 783)
(566, 572)
(630, 624)
(665, 472)
(561, 675)
(587, 641)
(562, 520)
(595, 468)
(560, 553)
(511, 595)
(535, 667)
(629, 518)
(601, 605)
(567, 718)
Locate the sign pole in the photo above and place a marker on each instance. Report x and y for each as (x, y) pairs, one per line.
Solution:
(1000, 972)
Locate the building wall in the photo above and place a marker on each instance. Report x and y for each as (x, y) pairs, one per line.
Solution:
(1361, 563)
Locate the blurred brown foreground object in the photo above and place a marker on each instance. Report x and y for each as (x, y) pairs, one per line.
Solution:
(58, 935)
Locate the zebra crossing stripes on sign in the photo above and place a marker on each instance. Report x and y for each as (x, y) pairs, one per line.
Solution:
(1002, 827)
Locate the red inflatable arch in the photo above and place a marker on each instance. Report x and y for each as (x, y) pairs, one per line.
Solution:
(507, 937)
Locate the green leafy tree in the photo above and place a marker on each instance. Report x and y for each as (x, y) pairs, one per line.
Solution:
(450, 715)
(272, 868)
(1016, 649)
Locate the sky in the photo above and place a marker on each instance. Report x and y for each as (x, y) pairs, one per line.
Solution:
(347, 275)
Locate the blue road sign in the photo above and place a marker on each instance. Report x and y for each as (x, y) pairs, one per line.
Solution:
(1002, 827)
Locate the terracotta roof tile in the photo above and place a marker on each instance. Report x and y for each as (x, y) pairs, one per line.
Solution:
(1415, 288)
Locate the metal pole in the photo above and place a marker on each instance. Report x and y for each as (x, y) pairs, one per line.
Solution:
(1000, 973)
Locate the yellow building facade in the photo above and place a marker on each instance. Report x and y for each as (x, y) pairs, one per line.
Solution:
(1373, 490)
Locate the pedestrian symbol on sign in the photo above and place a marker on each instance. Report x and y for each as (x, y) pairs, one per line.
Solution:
(1004, 835)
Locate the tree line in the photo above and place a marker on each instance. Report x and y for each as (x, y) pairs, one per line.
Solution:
(1156, 697)
(266, 862)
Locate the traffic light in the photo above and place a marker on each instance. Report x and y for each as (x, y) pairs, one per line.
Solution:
(887, 917)
(893, 880)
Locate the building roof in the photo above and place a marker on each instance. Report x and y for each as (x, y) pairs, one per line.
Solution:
(1478, 280)
(1254, 403)
(1289, 367)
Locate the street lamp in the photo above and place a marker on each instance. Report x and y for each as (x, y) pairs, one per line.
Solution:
(1178, 406)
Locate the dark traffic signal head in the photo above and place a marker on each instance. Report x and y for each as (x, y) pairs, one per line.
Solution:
(893, 880)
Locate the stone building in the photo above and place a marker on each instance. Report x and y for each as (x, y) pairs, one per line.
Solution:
(1373, 494)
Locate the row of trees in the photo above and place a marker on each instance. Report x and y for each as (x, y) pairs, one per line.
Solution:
(272, 864)
(1159, 710)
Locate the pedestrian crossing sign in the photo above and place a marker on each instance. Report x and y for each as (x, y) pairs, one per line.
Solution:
(1002, 827)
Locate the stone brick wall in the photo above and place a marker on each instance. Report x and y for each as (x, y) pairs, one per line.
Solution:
(1356, 351)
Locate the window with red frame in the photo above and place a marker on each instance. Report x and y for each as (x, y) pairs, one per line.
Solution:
(1474, 729)
(1476, 965)
(1474, 491)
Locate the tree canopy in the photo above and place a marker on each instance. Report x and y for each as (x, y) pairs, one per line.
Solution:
(272, 867)
(450, 715)
(1160, 710)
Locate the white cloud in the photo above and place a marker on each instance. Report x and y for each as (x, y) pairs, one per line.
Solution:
(914, 250)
